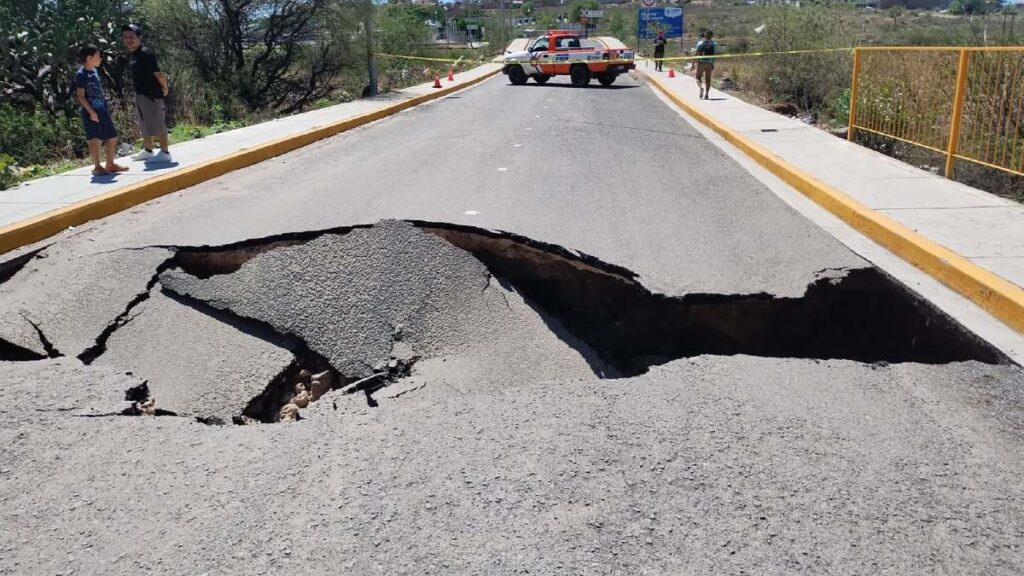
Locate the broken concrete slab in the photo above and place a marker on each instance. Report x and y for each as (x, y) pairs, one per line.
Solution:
(196, 365)
(362, 298)
(73, 298)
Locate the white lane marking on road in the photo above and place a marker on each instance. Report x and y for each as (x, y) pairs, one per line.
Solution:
(502, 169)
(470, 212)
(528, 129)
(537, 116)
(517, 145)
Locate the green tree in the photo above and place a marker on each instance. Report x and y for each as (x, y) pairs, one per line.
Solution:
(400, 29)
(969, 7)
(896, 12)
(621, 23)
(267, 54)
(578, 6)
(810, 81)
(38, 49)
(546, 21)
(527, 8)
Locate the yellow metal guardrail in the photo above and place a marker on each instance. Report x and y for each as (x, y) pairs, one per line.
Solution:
(964, 103)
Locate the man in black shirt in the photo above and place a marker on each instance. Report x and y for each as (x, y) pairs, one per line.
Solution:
(150, 90)
(659, 50)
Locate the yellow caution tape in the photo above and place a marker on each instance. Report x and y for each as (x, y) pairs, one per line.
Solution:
(426, 59)
(501, 59)
(562, 62)
(747, 54)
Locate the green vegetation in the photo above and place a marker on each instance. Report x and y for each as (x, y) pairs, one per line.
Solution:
(230, 64)
(818, 85)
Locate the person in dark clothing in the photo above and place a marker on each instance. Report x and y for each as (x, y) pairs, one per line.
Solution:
(99, 128)
(150, 91)
(659, 51)
(706, 66)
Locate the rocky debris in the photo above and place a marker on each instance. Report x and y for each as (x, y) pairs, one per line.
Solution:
(144, 404)
(320, 384)
(308, 389)
(841, 132)
(726, 83)
(289, 413)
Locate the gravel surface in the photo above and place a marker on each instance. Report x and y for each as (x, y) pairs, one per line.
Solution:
(721, 465)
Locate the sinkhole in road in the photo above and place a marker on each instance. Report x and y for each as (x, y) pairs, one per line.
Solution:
(358, 307)
(859, 314)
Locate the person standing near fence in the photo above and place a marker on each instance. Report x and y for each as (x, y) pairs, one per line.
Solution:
(659, 51)
(705, 66)
(150, 91)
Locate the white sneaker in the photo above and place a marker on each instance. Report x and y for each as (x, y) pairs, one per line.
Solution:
(161, 157)
(144, 155)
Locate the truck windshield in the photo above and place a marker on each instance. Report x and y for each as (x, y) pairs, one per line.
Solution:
(568, 42)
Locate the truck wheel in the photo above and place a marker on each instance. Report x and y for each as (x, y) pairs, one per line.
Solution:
(580, 75)
(541, 78)
(607, 79)
(516, 75)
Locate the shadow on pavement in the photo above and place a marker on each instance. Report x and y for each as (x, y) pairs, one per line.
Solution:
(104, 178)
(161, 166)
(588, 87)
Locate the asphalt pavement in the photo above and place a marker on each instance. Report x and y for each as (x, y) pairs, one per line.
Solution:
(509, 447)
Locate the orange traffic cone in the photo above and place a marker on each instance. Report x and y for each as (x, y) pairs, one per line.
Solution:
(437, 81)
(451, 75)
(672, 72)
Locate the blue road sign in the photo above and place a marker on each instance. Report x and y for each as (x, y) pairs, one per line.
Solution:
(653, 20)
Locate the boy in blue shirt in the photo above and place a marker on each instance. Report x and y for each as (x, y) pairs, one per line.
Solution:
(95, 115)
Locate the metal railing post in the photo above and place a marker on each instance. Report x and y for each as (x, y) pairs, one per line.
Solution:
(851, 130)
(958, 109)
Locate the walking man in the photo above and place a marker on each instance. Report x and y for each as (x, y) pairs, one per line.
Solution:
(150, 91)
(659, 50)
(705, 66)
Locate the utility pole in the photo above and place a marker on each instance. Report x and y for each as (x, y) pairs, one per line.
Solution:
(371, 61)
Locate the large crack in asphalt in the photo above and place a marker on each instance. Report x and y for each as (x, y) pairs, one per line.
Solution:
(402, 291)
(90, 354)
(861, 315)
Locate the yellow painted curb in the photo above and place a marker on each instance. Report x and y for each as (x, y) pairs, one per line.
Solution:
(999, 297)
(45, 225)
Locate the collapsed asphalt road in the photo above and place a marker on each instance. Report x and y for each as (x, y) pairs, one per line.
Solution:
(583, 397)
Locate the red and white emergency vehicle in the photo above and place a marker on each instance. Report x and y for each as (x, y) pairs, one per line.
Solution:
(566, 53)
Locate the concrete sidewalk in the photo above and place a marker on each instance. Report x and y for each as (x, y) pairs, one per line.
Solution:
(37, 197)
(985, 229)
